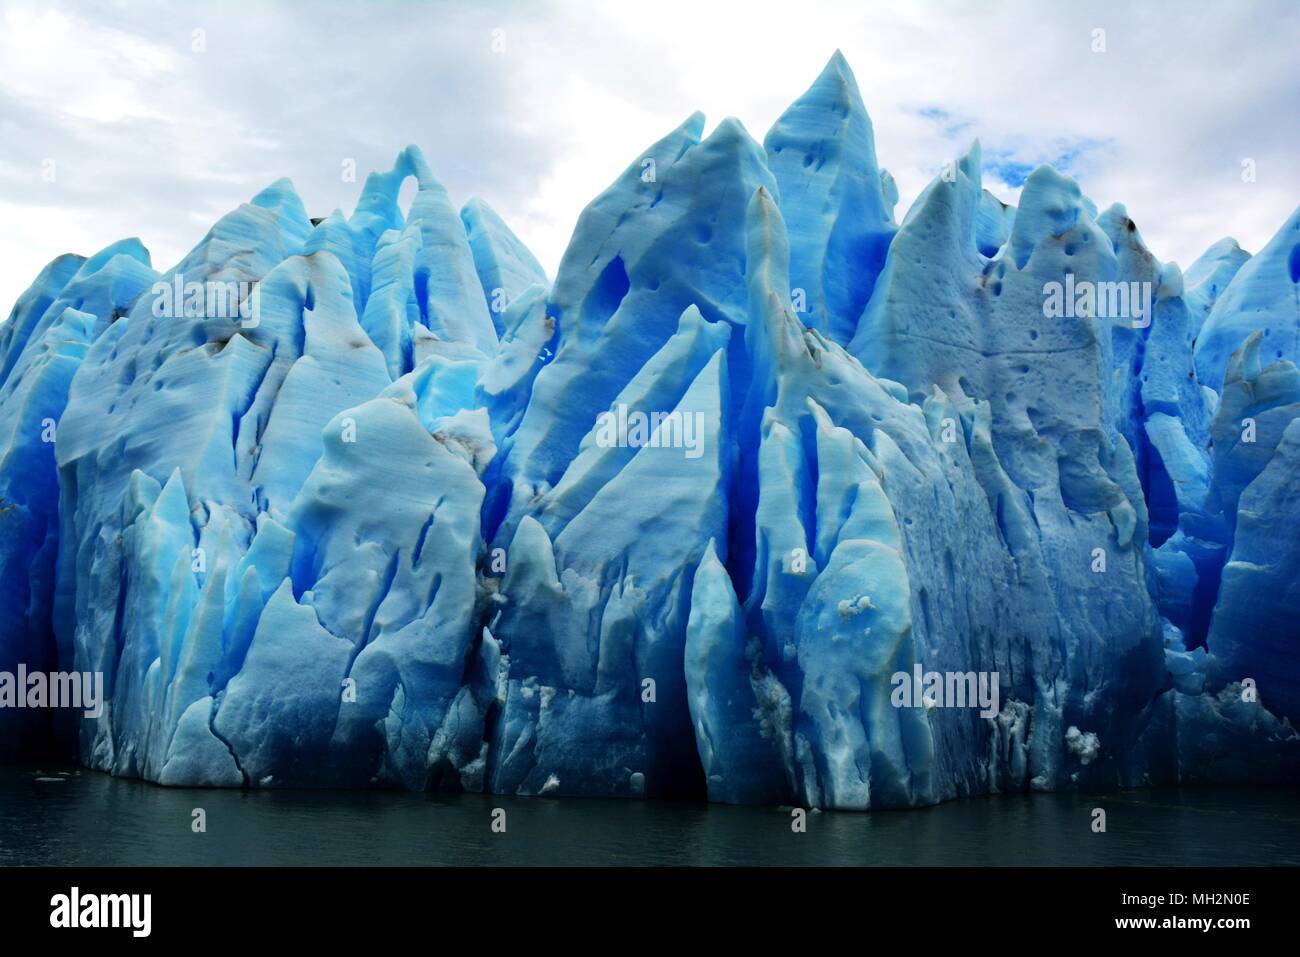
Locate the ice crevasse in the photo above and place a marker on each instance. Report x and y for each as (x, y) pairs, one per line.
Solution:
(414, 515)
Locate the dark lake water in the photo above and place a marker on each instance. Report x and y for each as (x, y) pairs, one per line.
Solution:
(69, 816)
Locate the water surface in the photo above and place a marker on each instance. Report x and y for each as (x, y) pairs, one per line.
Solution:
(70, 816)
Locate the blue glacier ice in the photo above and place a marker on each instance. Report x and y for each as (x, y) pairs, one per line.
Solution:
(372, 500)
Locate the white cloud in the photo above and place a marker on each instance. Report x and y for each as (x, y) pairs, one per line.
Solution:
(156, 140)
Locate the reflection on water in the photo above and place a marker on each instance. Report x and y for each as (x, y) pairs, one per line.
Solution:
(66, 816)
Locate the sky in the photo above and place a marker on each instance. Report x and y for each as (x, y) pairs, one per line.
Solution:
(153, 120)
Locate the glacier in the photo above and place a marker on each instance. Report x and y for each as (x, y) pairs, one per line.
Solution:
(403, 511)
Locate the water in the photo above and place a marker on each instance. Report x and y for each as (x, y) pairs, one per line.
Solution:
(69, 816)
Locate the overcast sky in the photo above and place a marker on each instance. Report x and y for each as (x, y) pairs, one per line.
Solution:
(537, 106)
